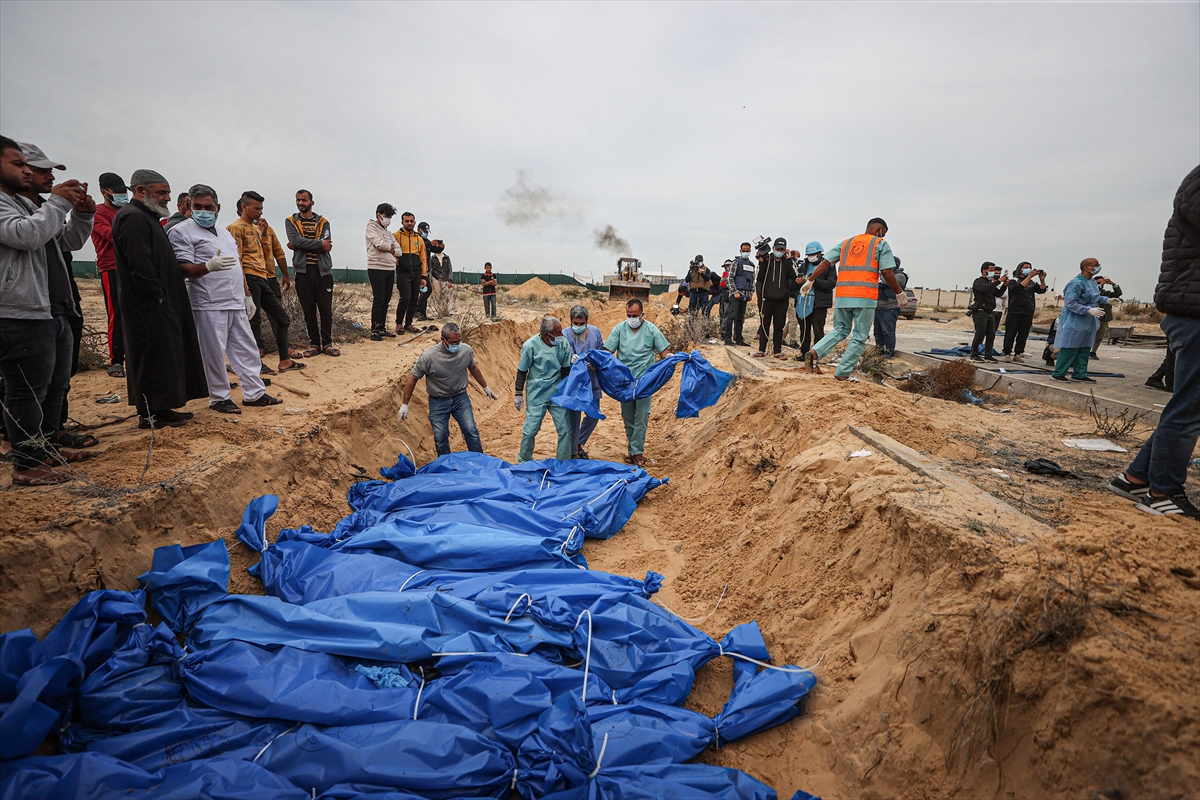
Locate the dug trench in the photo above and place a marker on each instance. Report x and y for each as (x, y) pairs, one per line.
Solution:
(962, 648)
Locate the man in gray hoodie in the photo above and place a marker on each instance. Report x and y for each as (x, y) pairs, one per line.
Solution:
(35, 343)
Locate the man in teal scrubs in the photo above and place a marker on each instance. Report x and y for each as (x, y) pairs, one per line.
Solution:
(545, 361)
(636, 343)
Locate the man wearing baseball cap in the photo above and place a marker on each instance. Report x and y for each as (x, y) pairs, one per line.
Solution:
(116, 195)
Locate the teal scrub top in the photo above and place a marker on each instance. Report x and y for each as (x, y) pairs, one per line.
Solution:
(544, 363)
(638, 349)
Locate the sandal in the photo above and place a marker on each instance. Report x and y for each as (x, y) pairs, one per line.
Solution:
(638, 460)
(76, 440)
(264, 400)
(758, 354)
(37, 476)
(265, 370)
(330, 350)
(116, 371)
(74, 456)
(294, 365)
(780, 356)
(310, 352)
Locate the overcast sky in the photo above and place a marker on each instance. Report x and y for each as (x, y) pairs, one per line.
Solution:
(1002, 132)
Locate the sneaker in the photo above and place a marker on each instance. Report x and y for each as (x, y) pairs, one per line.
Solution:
(165, 419)
(741, 343)
(1157, 383)
(1171, 504)
(1130, 491)
(1008, 359)
(977, 358)
(387, 333)
(225, 407)
(1083, 380)
(728, 343)
(1019, 359)
(1061, 378)
(376, 336)
(265, 400)
(1093, 357)
(991, 360)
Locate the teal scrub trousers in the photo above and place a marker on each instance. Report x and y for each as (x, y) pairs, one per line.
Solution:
(562, 426)
(636, 415)
(855, 323)
(1072, 357)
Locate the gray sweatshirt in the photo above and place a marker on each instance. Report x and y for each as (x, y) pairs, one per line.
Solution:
(24, 233)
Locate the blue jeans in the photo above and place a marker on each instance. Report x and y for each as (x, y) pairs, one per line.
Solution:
(697, 301)
(885, 329)
(459, 407)
(1163, 460)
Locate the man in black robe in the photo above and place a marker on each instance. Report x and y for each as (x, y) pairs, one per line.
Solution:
(162, 354)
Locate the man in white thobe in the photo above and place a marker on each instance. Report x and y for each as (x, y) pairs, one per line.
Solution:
(221, 304)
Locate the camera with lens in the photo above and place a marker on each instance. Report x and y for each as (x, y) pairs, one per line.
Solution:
(762, 246)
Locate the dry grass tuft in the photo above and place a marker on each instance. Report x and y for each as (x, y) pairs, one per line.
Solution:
(945, 381)
(685, 330)
(1119, 426)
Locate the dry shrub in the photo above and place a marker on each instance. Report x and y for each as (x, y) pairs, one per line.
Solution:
(684, 330)
(875, 364)
(1137, 311)
(1119, 426)
(348, 312)
(93, 348)
(945, 381)
(1057, 605)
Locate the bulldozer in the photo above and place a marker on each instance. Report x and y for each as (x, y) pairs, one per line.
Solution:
(629, 283)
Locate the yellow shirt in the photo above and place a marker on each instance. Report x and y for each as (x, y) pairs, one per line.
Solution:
(272, 250)
(412, 243)
(250, 248)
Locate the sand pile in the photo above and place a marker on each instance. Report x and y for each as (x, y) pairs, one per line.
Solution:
(535, 288)
(936, 680)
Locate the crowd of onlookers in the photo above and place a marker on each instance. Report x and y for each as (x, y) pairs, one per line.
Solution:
(185, 299)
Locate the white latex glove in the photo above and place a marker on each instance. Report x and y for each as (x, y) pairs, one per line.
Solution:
(403, 412)
(805, 288)
(574, 357)
(490, 394)
(250, 307)
(219, 262)
(902, 300)
(519, 402)
(1096, 312)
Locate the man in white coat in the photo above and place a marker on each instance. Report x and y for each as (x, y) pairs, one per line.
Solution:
(221, 304)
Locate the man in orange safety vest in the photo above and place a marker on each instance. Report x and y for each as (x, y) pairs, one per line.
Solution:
(864, 258)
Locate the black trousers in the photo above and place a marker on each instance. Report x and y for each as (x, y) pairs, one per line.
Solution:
(315, 293)
(985, 328)
(409, 286)
(382, 281)
(76, 324)
(774, 318)
(35, 362)
(814, 329)
(1016, 332)
(268, 299)
(423, 299)
(735, 318)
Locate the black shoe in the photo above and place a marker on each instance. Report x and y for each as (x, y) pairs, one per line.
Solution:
(1093, 357)
(265, 400)
(1084, 380)
(376, 337)
(728, 342)
(387, 334)
(1061, 378)
(1171, 504)
(165, 419)
(991, 360)
(977, 358)
(741, 343)
(424, 318)
(1158, 383)
(225, 407)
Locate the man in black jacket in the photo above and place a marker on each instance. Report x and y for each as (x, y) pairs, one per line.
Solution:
(1111, 290)
(1156, 479)
(984, 291)
(776, 284)
(1022, 303)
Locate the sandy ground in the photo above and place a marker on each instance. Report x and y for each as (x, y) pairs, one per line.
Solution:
(1051, 652)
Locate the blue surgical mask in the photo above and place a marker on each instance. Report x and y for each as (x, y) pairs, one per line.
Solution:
(205, 219)
(1096, 271)
(580, 329)
(452, 348)
(120, 199)
(777, 253)
(1026, 271)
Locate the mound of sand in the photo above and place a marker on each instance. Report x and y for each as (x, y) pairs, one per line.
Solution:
(535, 288)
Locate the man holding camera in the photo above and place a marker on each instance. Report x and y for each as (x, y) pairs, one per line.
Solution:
(1022, 303)
(1111, 291)
(984, 291)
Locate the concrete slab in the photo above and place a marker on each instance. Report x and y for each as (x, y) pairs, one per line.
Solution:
(995, 511)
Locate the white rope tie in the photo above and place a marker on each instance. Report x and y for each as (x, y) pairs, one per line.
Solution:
(541, 486)
(594, 499)
(514, 781)
(417, 704)
(409, 578)
(477, 653)
(512, 610)
(268, 744)
(566, 543)
(406, 447)
(587, 656)
(696, 619)
(599, 758)
(614, 697)
(771, 666)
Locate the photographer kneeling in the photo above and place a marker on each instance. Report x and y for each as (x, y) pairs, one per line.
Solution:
(1022, 303)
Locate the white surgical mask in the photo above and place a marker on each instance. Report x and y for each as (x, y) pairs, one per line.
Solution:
(385, 221)
(814, 259)
(634, 322)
